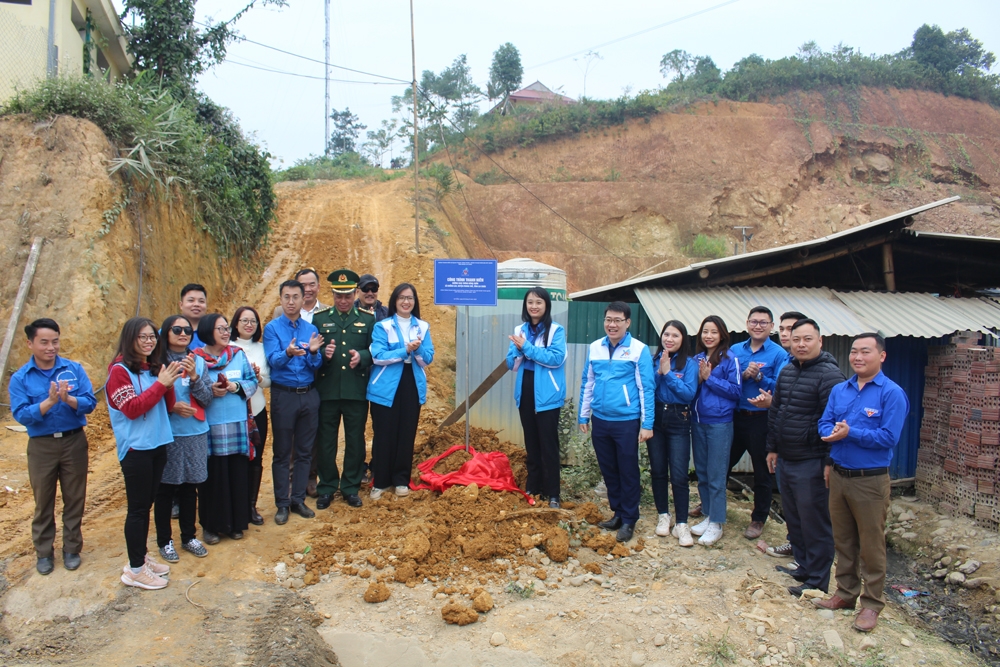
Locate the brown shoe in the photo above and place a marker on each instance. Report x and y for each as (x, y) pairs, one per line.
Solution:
(754, 530)
(866, 620)
(695, 511)
(833, 602)
(311, 489)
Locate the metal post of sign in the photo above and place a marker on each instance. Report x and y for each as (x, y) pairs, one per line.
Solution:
(468, 385)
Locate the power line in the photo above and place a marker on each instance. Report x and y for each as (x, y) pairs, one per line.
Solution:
(309, 76)
(524, 187)
(636, 34)
(461, 189)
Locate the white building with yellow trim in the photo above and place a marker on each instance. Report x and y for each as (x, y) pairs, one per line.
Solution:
(43, 38)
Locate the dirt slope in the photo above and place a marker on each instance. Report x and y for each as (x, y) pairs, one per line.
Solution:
(802, 167)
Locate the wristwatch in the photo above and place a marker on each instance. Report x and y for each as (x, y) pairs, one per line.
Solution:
(759, 377)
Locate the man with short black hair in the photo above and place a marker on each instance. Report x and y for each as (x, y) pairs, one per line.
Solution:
(368, 297)
(311, 305)
(863, 421)
(761, 360)
(793, 443)
(292, 346)
(617, 394)
(52, 397)
(194, 304)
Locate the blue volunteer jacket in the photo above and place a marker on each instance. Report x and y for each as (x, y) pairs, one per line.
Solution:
(188, 426)
(388, 355)
(678, 387)
(232, 408)
(720, 393)
(875, 415)
(618, 385)
(550, 366)
(150, 431)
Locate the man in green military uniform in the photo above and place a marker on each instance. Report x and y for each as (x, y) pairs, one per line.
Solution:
(342, 382)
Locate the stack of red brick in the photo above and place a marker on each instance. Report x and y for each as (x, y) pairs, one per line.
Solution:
(959, 455)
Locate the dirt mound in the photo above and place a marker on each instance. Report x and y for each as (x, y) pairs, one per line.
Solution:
(482, 440)
(458, 614)
(452, 462)
(377, 592)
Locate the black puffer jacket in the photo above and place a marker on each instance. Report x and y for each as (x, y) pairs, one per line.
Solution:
(800, 397)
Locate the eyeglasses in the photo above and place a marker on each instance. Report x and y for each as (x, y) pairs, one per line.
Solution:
(222, 329)
(146, 338)
(245, 322)
(614, 320)
(370, 289)
(177, 331)
(405, 298)
(758, 323)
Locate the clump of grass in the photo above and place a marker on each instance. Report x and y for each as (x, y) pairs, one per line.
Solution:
(721, 651)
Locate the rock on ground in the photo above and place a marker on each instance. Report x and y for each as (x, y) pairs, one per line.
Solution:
(458, 614)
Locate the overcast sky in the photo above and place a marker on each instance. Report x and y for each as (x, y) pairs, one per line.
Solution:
(286, 113)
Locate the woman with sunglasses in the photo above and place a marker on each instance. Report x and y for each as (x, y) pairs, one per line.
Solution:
(225, 495)
(537, 353)
(140, 393)
(187, 455)
(670, 447)
(719, 391)
(246, 333)
(401, 349)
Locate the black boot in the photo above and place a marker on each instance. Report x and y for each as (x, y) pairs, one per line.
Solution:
(255, 474)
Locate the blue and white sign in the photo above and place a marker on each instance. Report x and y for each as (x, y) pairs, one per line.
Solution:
(465, 282)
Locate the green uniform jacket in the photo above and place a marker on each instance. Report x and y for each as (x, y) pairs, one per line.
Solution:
(335, 379)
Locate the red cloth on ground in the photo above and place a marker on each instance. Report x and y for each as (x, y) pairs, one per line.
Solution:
(490, 469)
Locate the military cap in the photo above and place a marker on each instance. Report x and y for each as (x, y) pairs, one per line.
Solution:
(344, 281)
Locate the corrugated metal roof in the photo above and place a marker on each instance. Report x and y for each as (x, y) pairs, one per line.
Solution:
(732, 304)
(761, 253)
(945, 235)
(921, 315)
(838, 313)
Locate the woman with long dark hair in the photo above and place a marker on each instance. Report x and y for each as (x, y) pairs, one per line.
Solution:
(140, 393)
(401, 349)
(246, 334)
(225, 495)
(670, 447)
(537, 353)
(719, 391)
(187, 455)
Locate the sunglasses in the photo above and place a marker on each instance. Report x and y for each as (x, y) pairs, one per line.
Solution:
(370, 289)
(177, 331)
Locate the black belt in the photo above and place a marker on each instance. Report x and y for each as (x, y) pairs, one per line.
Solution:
(751, 413)
(62, 434)
(292, 390)
(860, 472)
(676, 406)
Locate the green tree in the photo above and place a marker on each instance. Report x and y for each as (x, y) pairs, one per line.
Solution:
(956, 52)
(506, 72)
(164, 39)
(676, 65)
(380, 142)
(346, 129)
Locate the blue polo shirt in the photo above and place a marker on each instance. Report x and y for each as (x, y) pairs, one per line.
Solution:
(29, 387)
(771, 357)
(875, 415)
(285, 370)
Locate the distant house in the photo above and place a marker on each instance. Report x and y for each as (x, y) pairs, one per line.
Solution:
(536, 93)
(27, 54)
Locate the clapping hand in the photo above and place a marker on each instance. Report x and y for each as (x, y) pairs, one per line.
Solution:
(839, 432)
(704, 369)
(315, 342)
(355, 358)
(412, 346)
(751, 370)
(256, 371)
(330, 349)
(518, 341)
(187, 363)
(169, 373)
(294, 350)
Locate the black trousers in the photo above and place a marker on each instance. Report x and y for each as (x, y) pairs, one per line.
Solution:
(395, 430)
(225, 496)
(142, 469)
(186, 496)
(750, 435)
(541, 441)
(261, 420)
(806, 502)
(294, 420)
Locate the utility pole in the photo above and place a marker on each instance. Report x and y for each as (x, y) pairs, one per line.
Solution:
(746, 237)
(326, 77)
(52, 55)
(416, 149)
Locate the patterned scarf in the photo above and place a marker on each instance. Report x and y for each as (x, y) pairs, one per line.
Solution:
(228, 354)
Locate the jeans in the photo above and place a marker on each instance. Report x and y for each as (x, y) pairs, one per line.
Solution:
(710, 444)
(669, 457)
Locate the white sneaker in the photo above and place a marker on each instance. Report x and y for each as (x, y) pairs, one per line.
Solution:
(145, 578)
(159, 569)
(402, 491)
(683, 535)
(663, 525)
(700, 527)
(711, 535)
(375, 494)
